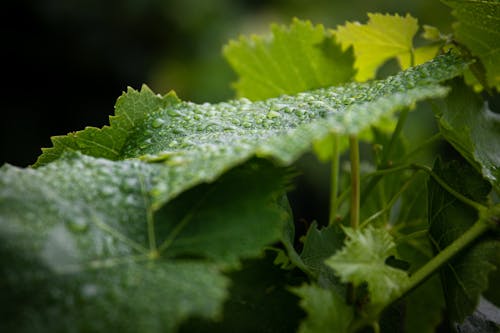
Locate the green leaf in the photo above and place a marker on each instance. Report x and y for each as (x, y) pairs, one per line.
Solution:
(327, 311)
(259, 302)
(83, 248)
(473, 129)
(384, 37)
(131, 110)
(319, 244)
(198, 143)
(291, 59)
(466, 276)
(478, 28)
(363, 260)
(424, 307)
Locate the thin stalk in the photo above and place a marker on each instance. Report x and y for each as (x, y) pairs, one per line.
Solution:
(423, 145)
(334, 180)
(343, 196)
(476, 205)
(389, 205)
(479, 228)
(355, 190)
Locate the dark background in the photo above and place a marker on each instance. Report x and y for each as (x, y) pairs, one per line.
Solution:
(64, 62)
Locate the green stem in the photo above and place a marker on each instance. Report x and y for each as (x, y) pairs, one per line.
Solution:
(334, 181)
(430, 141)
(355, 190)
(476, 205)
(389, 205)
(479, 228)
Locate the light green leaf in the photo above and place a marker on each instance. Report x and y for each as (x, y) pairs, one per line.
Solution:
(83, 248)
(363, 260)
(473, 129)
(478, 28)
(420, 55)
(466, 276)
(327, 311)
(384, 37)
(291, 59)
(200, 142)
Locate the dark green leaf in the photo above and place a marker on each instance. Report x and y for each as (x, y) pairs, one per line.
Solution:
(468, 124)
(466, 276)
(478, 28)
(320, 244)
(259, 302)
(82, 247)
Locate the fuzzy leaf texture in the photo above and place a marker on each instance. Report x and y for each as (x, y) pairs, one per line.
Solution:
(465, 277)
(478, 28)
(200, 142)
(289, 60)
(362, 259)
(82, 247)
(384, 37)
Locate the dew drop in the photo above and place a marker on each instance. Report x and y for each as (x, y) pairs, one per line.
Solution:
(273, 114)
(158, 122)
(89, 290)
(173, 113)
(78, 224)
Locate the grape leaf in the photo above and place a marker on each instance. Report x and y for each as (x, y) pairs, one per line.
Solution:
(82, 247)
(382, 38)
(327, 311)
(473, 129)
(291, 59)
(200, 142)
(362, 259)
(478, 28)
(466, 276)
(319, 244)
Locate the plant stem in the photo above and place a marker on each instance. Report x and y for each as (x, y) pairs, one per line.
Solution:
(444, 256)
(391, 202)
(355, 190)
(430, 141)
(476, 205)
(334, 180)
(387, 152)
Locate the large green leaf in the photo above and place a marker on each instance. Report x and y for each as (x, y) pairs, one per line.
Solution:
(200, 142)
(478, 28)
(83, 247)
(291, 59)
(466, 276)
(473, 129)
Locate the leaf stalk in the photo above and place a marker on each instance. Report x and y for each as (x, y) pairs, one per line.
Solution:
(355, 181)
